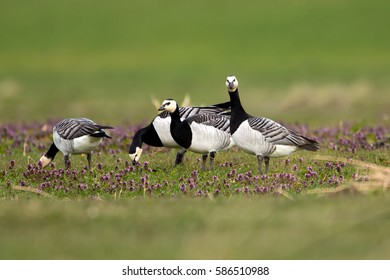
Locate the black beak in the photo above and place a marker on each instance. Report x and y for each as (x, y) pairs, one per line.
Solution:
(161, 108)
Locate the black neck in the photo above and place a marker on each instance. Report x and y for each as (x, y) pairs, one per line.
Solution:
(238, 113)
(147, 135)
(175, 115)
(51, 153)
(137, 141)
(181, 131)
(236, 102)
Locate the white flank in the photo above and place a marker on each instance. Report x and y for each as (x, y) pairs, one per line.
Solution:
(283, 150)
(85, 144)
(208, 138)
(81, 145)
(253, 142)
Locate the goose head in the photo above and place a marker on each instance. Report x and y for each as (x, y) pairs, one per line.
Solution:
(136, 155)
(47, 158)
(231, 83)
(135, 150)
(44, 161)
(168, 105)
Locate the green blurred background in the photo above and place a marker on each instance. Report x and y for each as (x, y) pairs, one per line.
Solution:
(316, 62)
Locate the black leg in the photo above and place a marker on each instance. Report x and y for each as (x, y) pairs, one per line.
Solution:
(204, 158)
(67, 161)
(212, 156)
(89, 158)
(180, 156)
(266, 161)
(260, 160)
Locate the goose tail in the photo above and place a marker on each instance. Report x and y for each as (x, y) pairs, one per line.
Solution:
(224, 105)
(310, 145)
(101, 133)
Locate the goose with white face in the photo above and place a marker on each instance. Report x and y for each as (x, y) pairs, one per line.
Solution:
(168, 105)
(231, 83)
(157, 133)
(261, 136)
(201, 133)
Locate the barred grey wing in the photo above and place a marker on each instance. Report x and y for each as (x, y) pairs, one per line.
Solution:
(74, 128)
(218, 121)
(275, 133)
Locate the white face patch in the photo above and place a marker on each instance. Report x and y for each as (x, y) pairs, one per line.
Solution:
(45, 161)
(169, 105)
(231, 83)
(137, 155)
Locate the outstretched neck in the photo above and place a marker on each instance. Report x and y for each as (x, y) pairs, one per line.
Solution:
(238, 114)
(236, 103)
(147, 135)
(176, 123)
(137, 141)
(51, 153)
(175, 115)
(180, 131)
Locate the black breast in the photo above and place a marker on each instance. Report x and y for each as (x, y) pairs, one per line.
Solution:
(181, 133)
(151, 138)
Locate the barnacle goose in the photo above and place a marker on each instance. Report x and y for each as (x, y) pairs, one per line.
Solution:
(261, 136)
(202, 133)
(157, 133)
(75, 136)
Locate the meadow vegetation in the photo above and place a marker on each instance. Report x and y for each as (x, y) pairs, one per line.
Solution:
(319, 68)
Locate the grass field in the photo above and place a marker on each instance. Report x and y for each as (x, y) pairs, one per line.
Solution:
(257, 228)
(320, 68)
